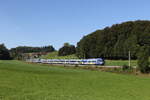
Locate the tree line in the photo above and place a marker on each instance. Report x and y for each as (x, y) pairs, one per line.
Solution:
(110, 43)
(21, 51)
(18, 51)
(13, 53)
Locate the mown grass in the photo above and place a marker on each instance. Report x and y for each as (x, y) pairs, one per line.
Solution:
(22, 81)
(120, 62)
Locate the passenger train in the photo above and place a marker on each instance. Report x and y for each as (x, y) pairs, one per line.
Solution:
(95, 61)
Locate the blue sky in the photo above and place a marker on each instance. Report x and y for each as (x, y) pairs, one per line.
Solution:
(54, 22)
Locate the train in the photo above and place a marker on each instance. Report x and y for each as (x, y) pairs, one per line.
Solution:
(94, 61)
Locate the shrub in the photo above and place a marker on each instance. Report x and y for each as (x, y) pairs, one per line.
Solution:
(4, 53)
(143, 60)
(125, 67)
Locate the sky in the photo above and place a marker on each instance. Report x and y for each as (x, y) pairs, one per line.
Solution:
(54, 22)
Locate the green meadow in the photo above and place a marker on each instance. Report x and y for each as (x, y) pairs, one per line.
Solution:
(120, 62)
(23, 81)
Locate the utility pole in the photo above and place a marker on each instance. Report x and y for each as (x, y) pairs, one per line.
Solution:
(129, 59)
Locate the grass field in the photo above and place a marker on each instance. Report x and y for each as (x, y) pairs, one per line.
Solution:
(22, 81)
(120, 62)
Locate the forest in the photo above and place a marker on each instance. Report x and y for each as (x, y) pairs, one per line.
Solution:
(116, 41)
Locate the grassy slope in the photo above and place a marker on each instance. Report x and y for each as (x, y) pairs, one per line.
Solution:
(21, 81)
(54, 55)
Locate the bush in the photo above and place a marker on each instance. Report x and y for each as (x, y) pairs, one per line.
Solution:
(143, 60)
(125, 67)
(4, 53)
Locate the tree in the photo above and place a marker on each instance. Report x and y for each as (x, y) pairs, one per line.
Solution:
(67, 50)
(66, 44)
(4, 53)
(143, 60)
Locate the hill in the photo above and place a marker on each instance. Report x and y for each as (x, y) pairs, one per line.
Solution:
(116, 41)
(54, 55)
(22, 81)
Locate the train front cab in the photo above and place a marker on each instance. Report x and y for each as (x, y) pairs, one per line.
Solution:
(100, 61)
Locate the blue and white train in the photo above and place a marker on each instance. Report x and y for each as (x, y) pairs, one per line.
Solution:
(95, 61)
